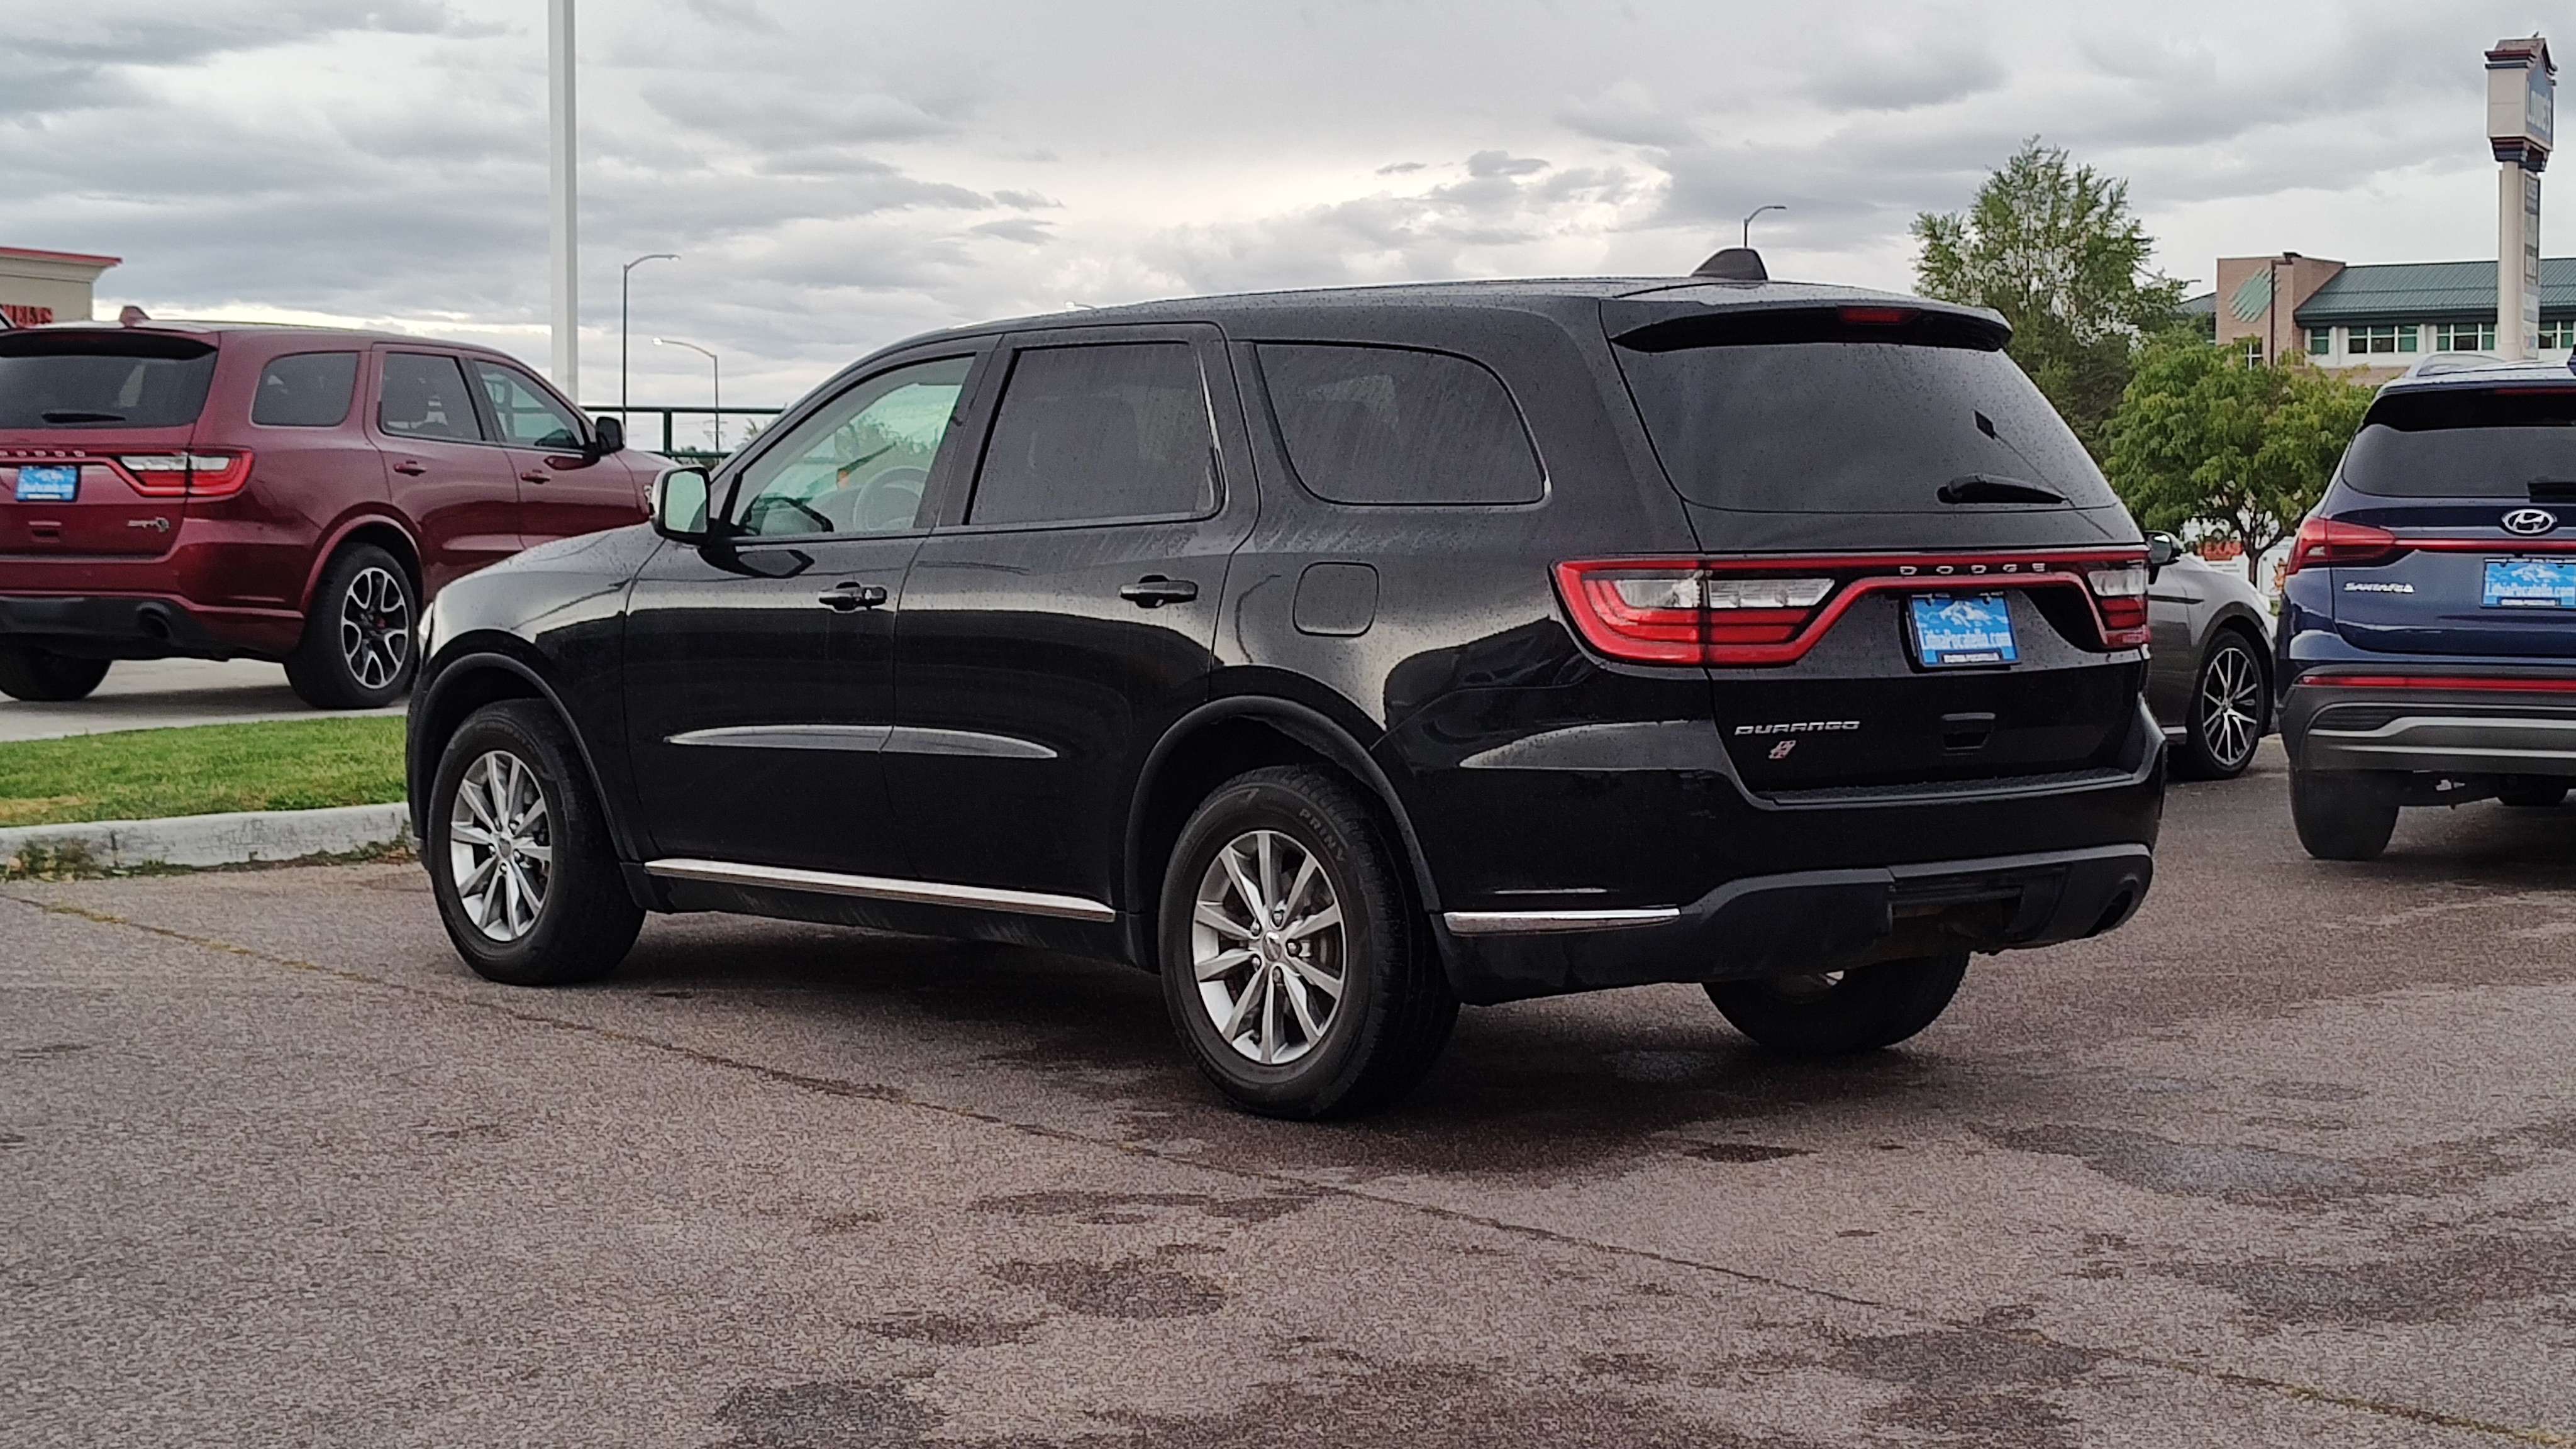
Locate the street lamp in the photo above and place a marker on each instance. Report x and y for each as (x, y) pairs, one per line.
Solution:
(624, 273)
(716, 368)
(1757, 211)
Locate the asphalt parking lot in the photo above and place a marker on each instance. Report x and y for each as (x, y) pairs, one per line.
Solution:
(2288, 1161)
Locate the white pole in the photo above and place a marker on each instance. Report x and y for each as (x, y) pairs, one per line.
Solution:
(564, 210)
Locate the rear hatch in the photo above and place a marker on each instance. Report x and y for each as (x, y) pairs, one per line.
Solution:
(1915, 579)
(2454, 531)
(94, 440)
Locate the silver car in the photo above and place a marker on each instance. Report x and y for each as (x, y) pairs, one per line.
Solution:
(2211, 683)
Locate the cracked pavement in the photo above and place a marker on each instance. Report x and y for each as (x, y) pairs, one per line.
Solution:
(2289, 1160)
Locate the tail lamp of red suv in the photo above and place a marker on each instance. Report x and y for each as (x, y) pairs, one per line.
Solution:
(1733, 613)
(185, 475)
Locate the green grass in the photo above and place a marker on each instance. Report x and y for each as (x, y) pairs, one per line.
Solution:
(202, 770)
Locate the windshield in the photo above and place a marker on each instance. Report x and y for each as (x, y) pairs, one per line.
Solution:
(2467, 443)
(102, 380)
(1856, 427)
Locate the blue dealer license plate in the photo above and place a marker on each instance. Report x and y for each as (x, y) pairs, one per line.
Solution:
(2529, 583)
(1956, 629)
(49, 484)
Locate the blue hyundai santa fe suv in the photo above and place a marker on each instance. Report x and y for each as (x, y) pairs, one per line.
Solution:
(2428, 623)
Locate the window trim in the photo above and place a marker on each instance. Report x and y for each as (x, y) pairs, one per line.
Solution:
(1288, 458)
(1201, 342)
(473, 391)
(962, 422)
(357, 388)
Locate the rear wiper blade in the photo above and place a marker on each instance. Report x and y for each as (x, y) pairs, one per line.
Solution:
(1987, 488)
(76, 415)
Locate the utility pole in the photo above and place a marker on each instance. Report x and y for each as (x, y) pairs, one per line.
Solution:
(1757, 211)
(715, 369)
(2522, 89)
(623, 276)
(563, 211)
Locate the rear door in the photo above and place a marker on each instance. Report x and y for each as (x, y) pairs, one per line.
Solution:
(443, 469)
(2478, 488)
(564, 490)
(94, 436)
(1062, 616)
(1906, 544)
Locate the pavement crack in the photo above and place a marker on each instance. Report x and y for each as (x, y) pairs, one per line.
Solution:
(901, 1097)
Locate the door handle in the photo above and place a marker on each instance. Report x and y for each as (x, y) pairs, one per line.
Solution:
(411, 467)
(848, 598)
(535, 475)
(1153, 591)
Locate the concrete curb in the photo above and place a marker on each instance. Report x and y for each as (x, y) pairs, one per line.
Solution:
(233, 839)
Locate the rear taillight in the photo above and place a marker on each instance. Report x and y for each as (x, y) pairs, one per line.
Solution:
(2326, 541)
(1681, 613)
(2121, 594)
(191, 475)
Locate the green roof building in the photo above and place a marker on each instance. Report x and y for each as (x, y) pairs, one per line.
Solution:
(2379, 317)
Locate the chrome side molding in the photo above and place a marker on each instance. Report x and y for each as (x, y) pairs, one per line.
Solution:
(859, 739)
(880, 888)
(1539, 923)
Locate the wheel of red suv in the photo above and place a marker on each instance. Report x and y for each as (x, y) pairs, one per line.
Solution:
(35, 675)
(357, 651)
(1295, 966)
(2227, 711)
(518, 854)
(2532, 792)
(2341, 815)
(1829, 1013)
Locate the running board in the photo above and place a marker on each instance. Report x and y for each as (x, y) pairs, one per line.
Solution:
(880, 888)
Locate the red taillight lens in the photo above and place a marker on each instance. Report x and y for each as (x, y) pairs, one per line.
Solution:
(2120, 592)
(1681, 613)
(2325, 541)
(192, 475)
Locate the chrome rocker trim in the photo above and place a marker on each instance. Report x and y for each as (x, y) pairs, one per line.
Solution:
(1536, 923)
(879, 888)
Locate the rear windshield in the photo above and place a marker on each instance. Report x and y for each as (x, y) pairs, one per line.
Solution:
(2467, 443)
(1839, 426)
(102, 380)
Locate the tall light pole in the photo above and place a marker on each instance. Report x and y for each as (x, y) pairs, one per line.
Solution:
(1757, 211)
(624, 273)
(2522, 96)
(563, 210)
(716, 368)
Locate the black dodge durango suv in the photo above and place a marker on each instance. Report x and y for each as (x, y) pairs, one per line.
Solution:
(1343, 656)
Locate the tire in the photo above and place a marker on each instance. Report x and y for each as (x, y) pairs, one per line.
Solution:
(1839, 1012)
(2229, 702)
(582, 921)
(358, 649)
(40, 677)
(2341, 816)
(2532, 792)
(1377, 1037)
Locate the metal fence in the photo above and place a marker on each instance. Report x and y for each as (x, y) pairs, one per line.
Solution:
(696, 443)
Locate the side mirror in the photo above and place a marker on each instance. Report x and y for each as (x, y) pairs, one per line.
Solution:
(607, 435)
(2162, 549)
(680, 504)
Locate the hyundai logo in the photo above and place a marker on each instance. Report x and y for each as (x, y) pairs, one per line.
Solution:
(2529, 521)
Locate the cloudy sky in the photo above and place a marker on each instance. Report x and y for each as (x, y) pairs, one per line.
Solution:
(838, 173)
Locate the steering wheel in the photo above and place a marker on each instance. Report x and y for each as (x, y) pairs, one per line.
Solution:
(892, 501)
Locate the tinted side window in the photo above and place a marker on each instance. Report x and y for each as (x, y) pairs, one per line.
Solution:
(860, 463)
(305, 390)
(425, 397)
(1116, 430)
(528, 416)
(1390, 425)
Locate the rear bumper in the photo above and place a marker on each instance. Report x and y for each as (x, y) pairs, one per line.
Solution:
(2445, 721)
(1804, 921)
(144, 626)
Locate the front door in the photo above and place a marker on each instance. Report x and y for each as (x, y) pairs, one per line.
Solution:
(1063, 615)
(564, 490)
(760, 670)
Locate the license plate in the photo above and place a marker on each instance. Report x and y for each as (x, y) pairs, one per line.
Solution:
(2529, 583)
(1958, 629)
(48, 484)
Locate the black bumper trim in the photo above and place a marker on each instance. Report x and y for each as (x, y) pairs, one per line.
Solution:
(1779, 925)
(107, 626)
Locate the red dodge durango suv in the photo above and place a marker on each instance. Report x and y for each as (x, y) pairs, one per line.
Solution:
(222, 491)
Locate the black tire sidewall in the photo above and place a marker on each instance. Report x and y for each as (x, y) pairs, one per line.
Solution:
(40, 676)
(1871, 1007)
(570, 941)
(1354, 864)
(2341, 816)
(319, 669)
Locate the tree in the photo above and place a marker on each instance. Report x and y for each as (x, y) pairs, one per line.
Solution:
(2200, 437)
(2055, 249)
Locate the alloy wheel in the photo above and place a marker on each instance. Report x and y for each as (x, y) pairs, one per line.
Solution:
(500, 846)
(2231, 705)
(1268, 947)
(375, 628)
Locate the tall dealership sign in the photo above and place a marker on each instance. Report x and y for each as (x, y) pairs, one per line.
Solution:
(2522, 90)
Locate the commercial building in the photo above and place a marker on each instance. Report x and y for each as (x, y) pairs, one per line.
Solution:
(40, 287)
(2377, 319)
